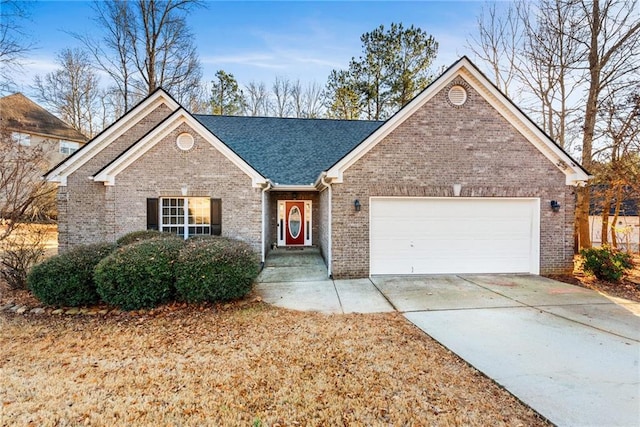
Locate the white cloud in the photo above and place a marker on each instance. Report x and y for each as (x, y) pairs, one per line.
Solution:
(259, 60)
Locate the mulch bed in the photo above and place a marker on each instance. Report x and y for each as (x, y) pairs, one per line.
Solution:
(627, 288)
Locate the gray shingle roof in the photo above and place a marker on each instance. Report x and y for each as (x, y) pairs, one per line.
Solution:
(289, 151)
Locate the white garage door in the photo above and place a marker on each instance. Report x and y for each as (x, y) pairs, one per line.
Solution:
(454, 235)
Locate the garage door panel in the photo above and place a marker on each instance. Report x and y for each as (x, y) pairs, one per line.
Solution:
(439, 236)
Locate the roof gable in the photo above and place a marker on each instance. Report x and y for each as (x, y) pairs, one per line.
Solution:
(20, 114)
(574, 173)
(61, 171)
(109, 172)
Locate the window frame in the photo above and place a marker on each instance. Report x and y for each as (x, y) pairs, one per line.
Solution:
(21, 138)
(186, 217)
(70, 147)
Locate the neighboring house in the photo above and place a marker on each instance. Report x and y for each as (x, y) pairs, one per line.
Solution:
(458, 181)
(627, 226)
(32, 125)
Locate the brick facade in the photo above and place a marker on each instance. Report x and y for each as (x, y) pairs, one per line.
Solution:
(437, 146)
(95, 212)
(81, 204)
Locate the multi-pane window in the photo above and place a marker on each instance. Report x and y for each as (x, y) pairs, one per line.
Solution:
(21, 138)
(186, 216)
(68, 147)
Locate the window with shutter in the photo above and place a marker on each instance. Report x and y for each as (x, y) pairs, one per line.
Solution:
(152, 214)
(184, 216)
(216, 217)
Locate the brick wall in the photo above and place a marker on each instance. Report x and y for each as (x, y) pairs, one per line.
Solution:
(323, 241)
(92, 212)
(81, 204)
(165, 169)
(441, 145)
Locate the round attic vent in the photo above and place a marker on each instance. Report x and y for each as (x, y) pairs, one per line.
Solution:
(185, 141)
(457, 95)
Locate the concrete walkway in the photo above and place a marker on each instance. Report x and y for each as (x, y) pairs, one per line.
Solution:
(297, 279)
(571, 354)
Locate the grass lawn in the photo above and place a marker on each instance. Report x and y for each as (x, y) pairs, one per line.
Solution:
(245, 364)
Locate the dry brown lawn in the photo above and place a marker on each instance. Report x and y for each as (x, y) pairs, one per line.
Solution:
(245, 364)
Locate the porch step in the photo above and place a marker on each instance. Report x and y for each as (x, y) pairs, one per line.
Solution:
(300, 265)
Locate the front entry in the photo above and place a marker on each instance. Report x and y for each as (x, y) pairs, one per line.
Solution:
(294, 222)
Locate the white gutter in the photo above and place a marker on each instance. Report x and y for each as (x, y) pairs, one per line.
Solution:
(329, 243)
(278, 187)
(264, 222)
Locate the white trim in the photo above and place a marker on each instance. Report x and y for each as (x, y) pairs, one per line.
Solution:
(310, 187)
(131, 118)
(263, 233)
(329, 220)
(186, 213)
(534, 265)
(109, 173)
(574, 174)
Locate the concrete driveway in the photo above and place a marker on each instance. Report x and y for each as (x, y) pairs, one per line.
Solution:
(568, 352)
(571, 354)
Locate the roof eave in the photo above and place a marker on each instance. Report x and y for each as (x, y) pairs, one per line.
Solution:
(294, 187)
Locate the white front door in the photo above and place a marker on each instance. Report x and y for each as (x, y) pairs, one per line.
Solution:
(421, 235)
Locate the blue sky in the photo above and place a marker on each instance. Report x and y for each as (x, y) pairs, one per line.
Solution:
(260, 40)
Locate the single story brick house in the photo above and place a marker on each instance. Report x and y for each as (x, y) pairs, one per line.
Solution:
(458, 181)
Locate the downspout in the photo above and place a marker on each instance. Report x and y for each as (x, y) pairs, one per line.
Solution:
(264, 223)
(329, 225)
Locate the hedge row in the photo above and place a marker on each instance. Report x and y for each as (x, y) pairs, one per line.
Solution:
(145, 269)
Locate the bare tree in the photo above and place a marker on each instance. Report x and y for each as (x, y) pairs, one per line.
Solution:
(497, 43)
(306, 101)
(572, 52)
(72, 91)
(111, 53)
(617, 166)
(147, 44)
(612, 52)
(21, 189)
(313, 100)
(282, 88)
(297, 99)
(256, 99)
(549, 58)
(163, 49)
(14, 41)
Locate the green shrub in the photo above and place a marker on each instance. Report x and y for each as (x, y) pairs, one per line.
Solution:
(215, 269)
(606, 263)
(67, 279)
(139, 236)
(139, 275)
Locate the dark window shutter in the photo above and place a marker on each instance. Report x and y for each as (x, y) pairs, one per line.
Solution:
(216, 217)
(153, 216)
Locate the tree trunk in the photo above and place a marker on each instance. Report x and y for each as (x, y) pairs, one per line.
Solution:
(616, 214)
(590, 115)
(582, 218)
(606, 207)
